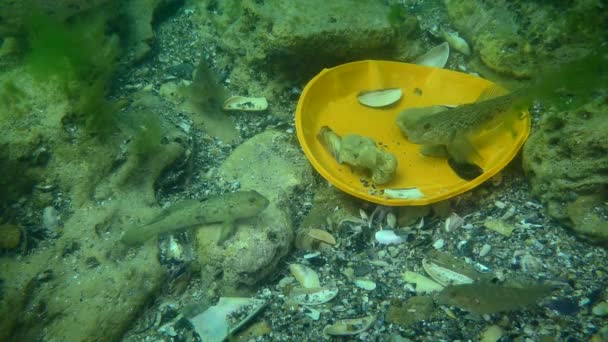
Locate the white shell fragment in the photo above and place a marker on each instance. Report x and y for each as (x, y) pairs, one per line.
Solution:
(365, 284)
(454, 221)
(221, 320)
(388, 237)
(423, 284)
(409, 193)
(306, 276)
(457, 42)
(443, 275)
(315, 296)
(436, 57)
(380, 98)
(351, 326)
(250, 104)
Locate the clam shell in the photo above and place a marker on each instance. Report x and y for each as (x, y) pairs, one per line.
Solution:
(313, 296)
(423, 284)
(306, 276)
(314, 239)
(249, 104)
(409, 193)
(351, 326)
(444, 275)
(380, 97)
(436, 57)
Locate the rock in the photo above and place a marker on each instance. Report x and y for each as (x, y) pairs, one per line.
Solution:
(271, 165)
(10, 236)
(311, 34)
(587, 218)
(12, 13)
(566, 157)
(141, 13)
(96, 302)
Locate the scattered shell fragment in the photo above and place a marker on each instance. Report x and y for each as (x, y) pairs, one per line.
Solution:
(380, 97)
(485, 249)
(443, 275)
(436, 57)
(313, 296)
(456, 42)
(409, 193)
(492, 333)
(250, 104)
(391, 220)
(499, 226)
(423, 284)
(314, 239)
(454, 221)
(351, 326)
(306, 276)
(221, 320)
(50, 220)
(330, 141)
(389, 237)
(439, 244)
(365, 284)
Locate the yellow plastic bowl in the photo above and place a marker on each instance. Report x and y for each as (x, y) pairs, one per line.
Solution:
(330, 99)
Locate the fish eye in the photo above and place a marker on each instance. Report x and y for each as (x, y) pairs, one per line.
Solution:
(427, 126)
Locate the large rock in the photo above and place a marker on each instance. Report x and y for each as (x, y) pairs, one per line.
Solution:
(566, 160)
(308, 34)
(85, 285)
(271, 165)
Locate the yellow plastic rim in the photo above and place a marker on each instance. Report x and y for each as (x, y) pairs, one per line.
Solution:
(330, 99)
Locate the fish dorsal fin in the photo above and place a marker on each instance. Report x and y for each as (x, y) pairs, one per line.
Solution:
(491, 92)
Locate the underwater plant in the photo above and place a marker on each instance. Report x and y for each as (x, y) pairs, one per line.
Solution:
(81, 56)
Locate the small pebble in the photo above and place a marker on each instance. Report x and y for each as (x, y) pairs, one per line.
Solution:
(438, 244)
(600, 309)
(485, 249)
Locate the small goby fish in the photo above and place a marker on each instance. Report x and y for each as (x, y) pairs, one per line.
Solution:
(447, 131)
(489, 298)
(187, 214)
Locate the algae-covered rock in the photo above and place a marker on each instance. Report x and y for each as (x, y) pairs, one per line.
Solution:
(309, 34)
(269, 164)
(516, 38)
(83, 286)
(567, 157)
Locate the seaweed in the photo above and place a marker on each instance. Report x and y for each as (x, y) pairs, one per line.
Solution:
(82, 57)
(397, 15)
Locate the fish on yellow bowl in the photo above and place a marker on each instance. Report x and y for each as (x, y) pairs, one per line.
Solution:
(440, 134)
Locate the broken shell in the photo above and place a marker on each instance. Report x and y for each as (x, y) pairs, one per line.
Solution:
(379, 98)
(313, 296)
(409, 193)
(443, 275)
(388, 237)
(436, 57)
(499, 226)
(331, 141)
(221, 320)
(423, 284)
(306, 276)
(250, 104)
(351, 326)
(314, 239)
(453, 222)
(391, 220)
(365, 284)
(456, 42)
